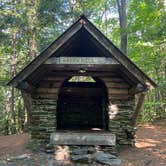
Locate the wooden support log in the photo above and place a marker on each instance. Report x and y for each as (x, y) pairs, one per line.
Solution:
(110, 79)
(113, 91)
(87, 67)
(24, 85)
(28, 103)
(47, 90)
(57, 73)
(45, 96)
(51, 78)
(138, 108)
(117, 85)
(50, 84)
(137, 89)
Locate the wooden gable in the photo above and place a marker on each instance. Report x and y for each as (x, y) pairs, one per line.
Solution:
(81, 46)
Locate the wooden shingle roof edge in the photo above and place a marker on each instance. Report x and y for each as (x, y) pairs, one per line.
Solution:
(100, 37)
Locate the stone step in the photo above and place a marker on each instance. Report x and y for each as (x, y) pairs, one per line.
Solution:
(83, 138)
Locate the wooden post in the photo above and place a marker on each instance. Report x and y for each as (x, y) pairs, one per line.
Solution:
(28, 104)
(138, 108)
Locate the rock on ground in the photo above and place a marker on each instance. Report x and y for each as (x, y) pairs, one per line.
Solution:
(106, 158)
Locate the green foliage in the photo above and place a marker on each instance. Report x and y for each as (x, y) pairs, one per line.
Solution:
(146, 47)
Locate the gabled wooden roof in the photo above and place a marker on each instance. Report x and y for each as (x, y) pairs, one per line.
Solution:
(60, 42)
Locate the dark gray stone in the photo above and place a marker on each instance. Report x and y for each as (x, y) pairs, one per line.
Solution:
(82, 150)
(106, 158)
(20, 157)
(82, 138)
(86, 158)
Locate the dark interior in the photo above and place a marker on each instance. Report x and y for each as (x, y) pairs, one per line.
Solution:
(82, 44)
(82, 106)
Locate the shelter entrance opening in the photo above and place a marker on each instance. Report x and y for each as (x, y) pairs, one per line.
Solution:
(82, 104)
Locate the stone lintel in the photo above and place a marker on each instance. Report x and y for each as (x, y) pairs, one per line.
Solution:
(83, 138)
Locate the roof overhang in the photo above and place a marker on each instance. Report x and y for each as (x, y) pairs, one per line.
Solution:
(83, 24)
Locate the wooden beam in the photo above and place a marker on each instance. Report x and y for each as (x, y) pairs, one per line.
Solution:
(77, 73)
(122, 85)
(47, 90)
(138, 109)
(81, 60)
(24, 85)
(86, 67)
(137, 89)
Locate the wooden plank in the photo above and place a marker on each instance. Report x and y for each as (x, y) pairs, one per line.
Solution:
(87, 73)
(113, 91)
(45, 96)
(82, 91)
(47, 90)
(50, 84)
(122, 85)
(81, 60)
(64, 73)
(82, 138)
(87, 67)
(112, 79)
(120, 97)
(53, 78)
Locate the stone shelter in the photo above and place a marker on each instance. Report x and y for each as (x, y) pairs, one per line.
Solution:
(81, 90)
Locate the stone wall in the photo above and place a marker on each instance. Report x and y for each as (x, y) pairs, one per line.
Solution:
(43, 119)
(121, 108)
(120, 116)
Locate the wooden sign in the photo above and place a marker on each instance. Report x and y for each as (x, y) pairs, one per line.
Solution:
(81, 60)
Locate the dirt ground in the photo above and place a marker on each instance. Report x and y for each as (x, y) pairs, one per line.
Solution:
(149, 150)
(150, 147)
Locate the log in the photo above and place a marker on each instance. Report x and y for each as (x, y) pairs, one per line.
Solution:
(24, 85)
(49, 84)
(112, 79)
(120, 97)
(47, 90)
(80, 90)
(53, 78)
(45, 96)
(113, 91)
(138, 108)
(28, 102)
(137, 89)
(122, 85)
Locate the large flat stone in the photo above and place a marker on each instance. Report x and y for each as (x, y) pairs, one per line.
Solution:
(83, 138)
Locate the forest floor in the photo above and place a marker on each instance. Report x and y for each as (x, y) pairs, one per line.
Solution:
(149, 150)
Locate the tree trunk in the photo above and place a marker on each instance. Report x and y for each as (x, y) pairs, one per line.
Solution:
(123, 24)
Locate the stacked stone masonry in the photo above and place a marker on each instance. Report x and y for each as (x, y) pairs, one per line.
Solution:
(44, 110)
(43, 118)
